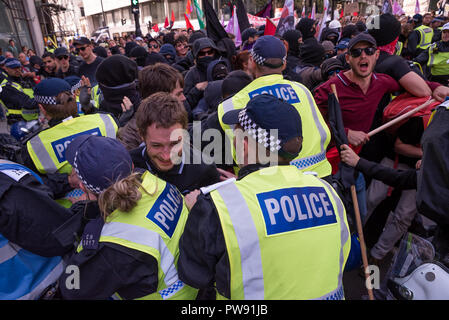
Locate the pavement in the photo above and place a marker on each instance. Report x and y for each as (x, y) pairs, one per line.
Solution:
(354, 281)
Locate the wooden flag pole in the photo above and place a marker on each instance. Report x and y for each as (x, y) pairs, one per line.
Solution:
(402, 117)
(359, 225)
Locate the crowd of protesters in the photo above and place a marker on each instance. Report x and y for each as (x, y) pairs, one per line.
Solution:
(144, 88)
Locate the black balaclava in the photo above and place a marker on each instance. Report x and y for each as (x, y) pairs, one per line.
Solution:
(304, 26)
(292, 36)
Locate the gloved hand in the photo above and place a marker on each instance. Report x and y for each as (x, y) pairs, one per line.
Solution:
(84, 98)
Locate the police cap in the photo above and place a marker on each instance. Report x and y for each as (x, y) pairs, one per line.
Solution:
(264, 113)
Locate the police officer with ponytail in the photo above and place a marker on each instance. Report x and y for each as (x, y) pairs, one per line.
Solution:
(129, 249)
(275, 232)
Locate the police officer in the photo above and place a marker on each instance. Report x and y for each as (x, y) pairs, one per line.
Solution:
(130, 249)
(3, 74)
(421, 37)
(17, 94)
(267, 61)
(437, 26)
(44, 152)
(276, 233)
(437, 58)
(30, 255)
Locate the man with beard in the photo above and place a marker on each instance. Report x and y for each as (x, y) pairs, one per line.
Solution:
(50, 66)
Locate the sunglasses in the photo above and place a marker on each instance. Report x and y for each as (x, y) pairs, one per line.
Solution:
(63, 57)
(331, 73)
(209, 52)
(355, 53)
(80, 49)
(154, 46)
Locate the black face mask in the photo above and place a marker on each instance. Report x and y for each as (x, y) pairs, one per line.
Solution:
(203, 62)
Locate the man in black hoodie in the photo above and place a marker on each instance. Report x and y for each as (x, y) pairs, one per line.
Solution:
(307, 27)
(294, 39)
(117, 77)
(195, 82)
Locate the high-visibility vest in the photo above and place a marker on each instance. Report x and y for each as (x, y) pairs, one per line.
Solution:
(95, 95)
(47, 149)
(26, 114)
(438, 61)
(79, 107)
(286, 235)
(154, 227)
(426, 34)
(398, 48)
(316, 134)
(25, 275)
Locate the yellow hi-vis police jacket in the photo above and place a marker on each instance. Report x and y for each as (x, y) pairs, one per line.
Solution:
(316, 134)
(286, 235)
(154, 227)
(438, 61)
(27, 114)
(47, 149)
(426, 35)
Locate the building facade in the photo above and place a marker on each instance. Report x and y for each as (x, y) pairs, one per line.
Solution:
(19, 22)
(117, 15)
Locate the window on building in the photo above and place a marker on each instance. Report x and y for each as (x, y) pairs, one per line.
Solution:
(157, 11)
(117, 17)
(125, 13)
(14, 25)
(82, 12)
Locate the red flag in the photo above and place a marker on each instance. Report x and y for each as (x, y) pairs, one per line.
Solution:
(189, 8)
(270, 28)
(156, 28)
(166, 24)
(188, 24)
(172, 20)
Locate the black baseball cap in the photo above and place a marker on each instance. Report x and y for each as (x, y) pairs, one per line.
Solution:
(264, 113)
(61, 51)
(81, 41)
(362, 37)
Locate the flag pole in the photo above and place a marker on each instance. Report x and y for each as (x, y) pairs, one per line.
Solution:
(359, 225)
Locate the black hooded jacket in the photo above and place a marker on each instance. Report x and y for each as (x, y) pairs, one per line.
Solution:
(117, 77)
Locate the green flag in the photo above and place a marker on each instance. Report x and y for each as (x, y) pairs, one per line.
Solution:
(199, 14)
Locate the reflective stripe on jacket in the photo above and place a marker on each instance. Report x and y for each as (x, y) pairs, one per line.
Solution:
(47, 149)
(316, 134)
(154, 226)
(286, 235)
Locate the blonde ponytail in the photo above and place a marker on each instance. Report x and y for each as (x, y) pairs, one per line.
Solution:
(122, 195)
